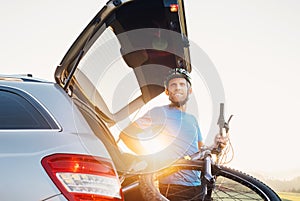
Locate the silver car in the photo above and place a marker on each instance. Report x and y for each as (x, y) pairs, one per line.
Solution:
(48, 151)
(59, 141)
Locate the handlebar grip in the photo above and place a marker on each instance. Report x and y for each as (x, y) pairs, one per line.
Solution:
(221, 120)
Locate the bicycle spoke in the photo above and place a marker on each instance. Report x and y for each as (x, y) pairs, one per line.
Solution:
(231, 190)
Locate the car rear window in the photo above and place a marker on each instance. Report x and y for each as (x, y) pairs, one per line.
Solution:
(19, 110)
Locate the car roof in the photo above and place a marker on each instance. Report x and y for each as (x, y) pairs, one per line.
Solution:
(21, 78)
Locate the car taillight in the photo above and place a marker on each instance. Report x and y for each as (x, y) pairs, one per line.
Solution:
(174, 8)
(83, 177)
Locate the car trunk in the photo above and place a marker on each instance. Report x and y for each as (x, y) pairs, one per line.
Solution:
(120, 61)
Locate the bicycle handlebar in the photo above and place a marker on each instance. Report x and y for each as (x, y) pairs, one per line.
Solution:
(221, 121)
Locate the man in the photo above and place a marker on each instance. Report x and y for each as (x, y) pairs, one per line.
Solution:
(177, 131)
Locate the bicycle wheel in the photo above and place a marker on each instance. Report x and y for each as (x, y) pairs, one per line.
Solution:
(231, 184)
(235, 185)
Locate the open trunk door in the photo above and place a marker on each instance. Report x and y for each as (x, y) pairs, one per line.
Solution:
(120, 60)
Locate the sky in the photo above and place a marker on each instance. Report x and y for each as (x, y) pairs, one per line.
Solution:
(254, 45)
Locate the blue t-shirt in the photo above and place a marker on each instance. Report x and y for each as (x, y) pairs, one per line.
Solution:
(182, 132)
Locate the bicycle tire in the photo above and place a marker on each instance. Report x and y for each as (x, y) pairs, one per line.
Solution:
(232, 184)
(254, 189)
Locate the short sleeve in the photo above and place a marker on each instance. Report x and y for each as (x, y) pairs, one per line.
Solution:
(199, 135)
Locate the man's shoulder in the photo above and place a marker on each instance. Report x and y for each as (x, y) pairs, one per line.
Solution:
(191, 116)
(159, 111)
(160, 108)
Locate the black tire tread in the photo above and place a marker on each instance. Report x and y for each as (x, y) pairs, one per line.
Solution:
(230, 172)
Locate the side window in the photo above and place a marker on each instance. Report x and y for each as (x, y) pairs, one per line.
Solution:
(20, 112)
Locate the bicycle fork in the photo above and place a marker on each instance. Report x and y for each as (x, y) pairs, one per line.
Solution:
(207, 179)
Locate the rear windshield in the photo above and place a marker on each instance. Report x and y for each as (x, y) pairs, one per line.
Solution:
(125, 67)
(19, 111)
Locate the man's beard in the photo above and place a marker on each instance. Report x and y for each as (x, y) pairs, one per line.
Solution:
(179, 103)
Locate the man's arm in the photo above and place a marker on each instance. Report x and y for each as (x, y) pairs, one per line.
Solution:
(200, 144)
(130, 138)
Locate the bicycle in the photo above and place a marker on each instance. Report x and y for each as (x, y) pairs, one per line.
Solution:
(218, 182)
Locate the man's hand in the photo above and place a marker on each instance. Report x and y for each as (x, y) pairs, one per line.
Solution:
(220, 141)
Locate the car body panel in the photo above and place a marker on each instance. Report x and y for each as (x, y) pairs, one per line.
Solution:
(21, 151)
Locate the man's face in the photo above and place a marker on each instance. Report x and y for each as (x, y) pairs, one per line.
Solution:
(178, 91)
